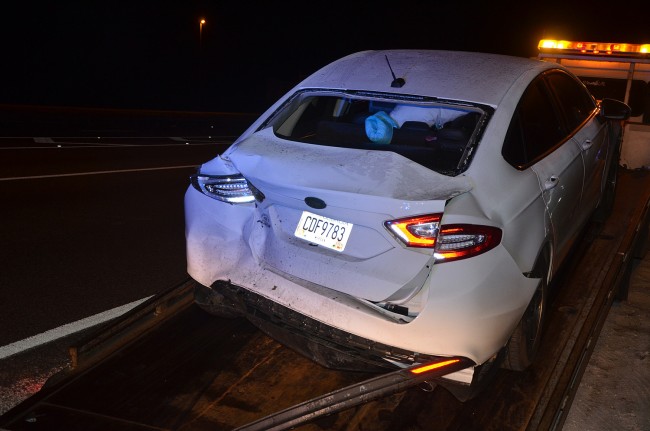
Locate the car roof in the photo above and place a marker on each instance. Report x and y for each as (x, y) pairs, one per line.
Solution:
(457, 75)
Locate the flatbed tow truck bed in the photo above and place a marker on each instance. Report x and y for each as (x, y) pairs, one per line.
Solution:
(167, 365)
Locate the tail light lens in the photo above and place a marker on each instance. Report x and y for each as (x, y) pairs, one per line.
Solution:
(459, 241)
(450, 242)
(419, 231)
(234, 189)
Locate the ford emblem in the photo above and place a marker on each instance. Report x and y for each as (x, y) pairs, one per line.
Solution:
(313, 202)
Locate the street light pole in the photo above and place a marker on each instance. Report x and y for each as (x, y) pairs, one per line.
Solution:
(201, 66)
(201, 22)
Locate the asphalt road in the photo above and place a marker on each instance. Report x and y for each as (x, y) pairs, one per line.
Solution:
(91, 219)
(91, 207)
(85, 229)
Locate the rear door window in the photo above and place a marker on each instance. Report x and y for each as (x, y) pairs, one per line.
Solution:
(535, 128)
(574, 100)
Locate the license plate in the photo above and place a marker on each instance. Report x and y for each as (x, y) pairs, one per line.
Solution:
(323, 231)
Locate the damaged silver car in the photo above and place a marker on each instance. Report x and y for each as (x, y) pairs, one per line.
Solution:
(401, 206)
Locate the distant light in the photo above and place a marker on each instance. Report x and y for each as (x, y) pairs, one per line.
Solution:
(202, 21)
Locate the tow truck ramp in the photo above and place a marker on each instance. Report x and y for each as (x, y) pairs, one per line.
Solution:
(167, 365)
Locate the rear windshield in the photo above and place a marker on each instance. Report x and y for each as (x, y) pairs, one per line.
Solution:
(440, 136)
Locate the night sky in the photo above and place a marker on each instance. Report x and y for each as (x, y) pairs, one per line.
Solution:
(147, 54)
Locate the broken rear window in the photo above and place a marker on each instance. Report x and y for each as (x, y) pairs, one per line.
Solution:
(440, 136)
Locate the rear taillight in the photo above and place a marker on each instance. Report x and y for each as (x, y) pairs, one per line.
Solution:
(459, 241)
(234, 189)
(419, 231)
(450, 242)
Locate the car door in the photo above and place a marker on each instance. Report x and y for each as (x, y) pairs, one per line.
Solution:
(589, 135)
(537, 139)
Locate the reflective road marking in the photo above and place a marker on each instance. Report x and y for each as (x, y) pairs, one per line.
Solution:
(77, 174)
(65, 330)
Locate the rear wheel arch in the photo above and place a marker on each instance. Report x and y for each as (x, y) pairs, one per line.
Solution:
(606, 204)
(525, 340)
(543, 263)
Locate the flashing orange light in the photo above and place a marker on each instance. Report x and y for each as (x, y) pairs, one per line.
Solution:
(608, 48)
(434, 366)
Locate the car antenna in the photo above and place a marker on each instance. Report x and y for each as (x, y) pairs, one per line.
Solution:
(397, 82)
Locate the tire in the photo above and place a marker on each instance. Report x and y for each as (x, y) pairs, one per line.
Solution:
(525, 340)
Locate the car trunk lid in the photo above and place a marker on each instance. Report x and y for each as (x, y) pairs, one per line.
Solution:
(352, 190)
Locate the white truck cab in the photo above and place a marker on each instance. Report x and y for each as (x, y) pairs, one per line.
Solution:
(616, 71)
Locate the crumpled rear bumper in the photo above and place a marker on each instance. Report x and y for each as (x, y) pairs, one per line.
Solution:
(324, 344)
(465, 313)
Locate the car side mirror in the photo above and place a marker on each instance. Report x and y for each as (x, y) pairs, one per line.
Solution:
(612, 109)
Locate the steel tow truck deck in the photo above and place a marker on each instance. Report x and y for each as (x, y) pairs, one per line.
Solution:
(167, 365)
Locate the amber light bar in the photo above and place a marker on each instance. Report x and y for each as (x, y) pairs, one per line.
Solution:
(601, 48)
(434, 366)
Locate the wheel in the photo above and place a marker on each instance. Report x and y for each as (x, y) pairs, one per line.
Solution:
(525, 340)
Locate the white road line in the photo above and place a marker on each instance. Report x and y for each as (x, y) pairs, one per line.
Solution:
(65, 330)
(77, 174)
(84, 146)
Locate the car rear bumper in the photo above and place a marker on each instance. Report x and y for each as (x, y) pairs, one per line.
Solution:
(464, 312)
(328, 346)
